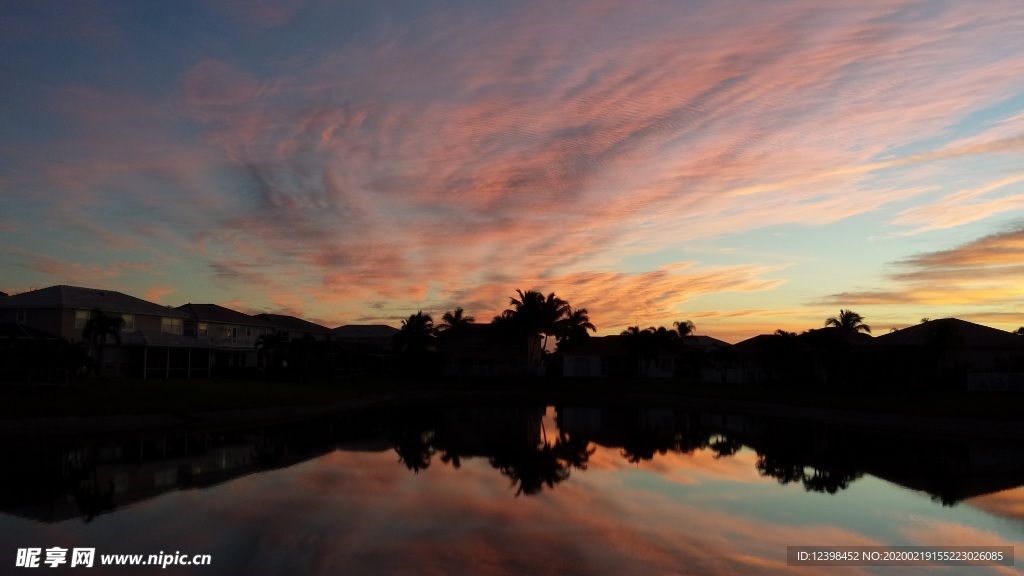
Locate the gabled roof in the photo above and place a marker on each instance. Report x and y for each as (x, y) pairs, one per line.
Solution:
(219, 315)
(78, 298)
(954, 332)
(364, 331)
(705, 342)
(756, 342)
(292, 324)
(833, 334)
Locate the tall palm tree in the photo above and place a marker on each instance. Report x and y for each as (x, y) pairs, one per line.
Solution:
(453, 320)
(640, 347)
(96, 331)
(416, 334)
(533, 315)
(849, 321)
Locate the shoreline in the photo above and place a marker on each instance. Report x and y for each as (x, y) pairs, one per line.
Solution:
(57, 427)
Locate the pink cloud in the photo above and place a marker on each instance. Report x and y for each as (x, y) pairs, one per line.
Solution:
(157, 293)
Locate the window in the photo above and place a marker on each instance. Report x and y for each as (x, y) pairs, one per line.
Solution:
(204, 330)
(227, 332)
(82, 318)
(129, 322)
(171, 325)
(20, 316)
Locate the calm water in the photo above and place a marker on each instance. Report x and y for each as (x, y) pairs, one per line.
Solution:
(511, 490)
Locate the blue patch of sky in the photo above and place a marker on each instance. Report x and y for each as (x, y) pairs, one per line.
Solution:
(992, 115)
(970, 124)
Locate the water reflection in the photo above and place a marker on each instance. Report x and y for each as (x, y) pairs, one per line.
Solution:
(68, 479)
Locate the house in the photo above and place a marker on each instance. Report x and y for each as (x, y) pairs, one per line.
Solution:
(292, 328)
(610, 356)
(233, 334)
(767, 359)
(713, 359)
(822, 356)
(151, 336)
(367, 338)
(950, 352)
(479, 350)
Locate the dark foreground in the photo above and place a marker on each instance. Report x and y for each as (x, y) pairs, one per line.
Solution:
(135, 405)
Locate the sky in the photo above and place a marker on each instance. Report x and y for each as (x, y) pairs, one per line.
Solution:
(748, 166)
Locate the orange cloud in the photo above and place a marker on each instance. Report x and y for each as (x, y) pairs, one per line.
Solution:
(986, 271)
(157, 293)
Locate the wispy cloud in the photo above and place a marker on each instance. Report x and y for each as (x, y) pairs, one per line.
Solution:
(962, 207)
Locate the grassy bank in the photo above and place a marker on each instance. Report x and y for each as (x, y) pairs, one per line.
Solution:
(190, 396)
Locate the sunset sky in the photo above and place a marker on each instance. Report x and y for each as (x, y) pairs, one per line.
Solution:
(745, 165)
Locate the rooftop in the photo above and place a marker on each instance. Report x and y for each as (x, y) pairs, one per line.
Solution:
(952, 331)
(292, 324)
(365, 331)
(220, 315)
(78, 298)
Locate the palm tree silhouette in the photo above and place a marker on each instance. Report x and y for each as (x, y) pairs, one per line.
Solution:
(453, 320)
(270, 349)
(849, 321)
(573, 327)
(685, 328)
(416, 334)
(533, 315)
(97, 329)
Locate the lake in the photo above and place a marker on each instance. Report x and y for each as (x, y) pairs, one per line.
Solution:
(510, 488)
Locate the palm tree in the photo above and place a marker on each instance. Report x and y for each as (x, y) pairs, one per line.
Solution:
(1019, 331)
(849, 321)
(270, 349)
(533, 315)
(685, 328)
(416, 334)
(97, 329)
(453, 320)
(574, 326)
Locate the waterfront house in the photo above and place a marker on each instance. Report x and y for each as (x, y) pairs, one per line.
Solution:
(233, 334)
(151, 342)
(951, 353)
(480, 350)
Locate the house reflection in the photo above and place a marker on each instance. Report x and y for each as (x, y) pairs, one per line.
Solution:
(72, 478)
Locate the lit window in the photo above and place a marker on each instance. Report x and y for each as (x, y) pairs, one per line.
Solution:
(129, 322)
(171, 325)
(82, 318)
(227, 332)
(204, 330)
